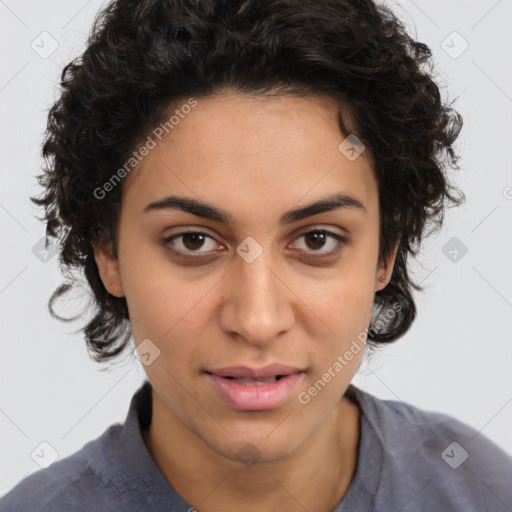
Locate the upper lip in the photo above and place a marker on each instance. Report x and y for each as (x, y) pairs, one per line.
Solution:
(255, 373)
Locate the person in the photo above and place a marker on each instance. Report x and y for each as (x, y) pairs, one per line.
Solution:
(242, 183)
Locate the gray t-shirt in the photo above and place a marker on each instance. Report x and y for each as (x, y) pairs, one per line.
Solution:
(409, 460)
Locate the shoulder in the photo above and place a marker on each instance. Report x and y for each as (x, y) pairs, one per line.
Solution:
(430, 430)
(72, 483)
(443, 460)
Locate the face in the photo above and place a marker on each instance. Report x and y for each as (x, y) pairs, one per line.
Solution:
(255, 280)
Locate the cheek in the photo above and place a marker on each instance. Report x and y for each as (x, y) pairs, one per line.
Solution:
(344, 304)
(338, 355)
(161, 303)
(168, 315)
(343, 301)
(353, 293)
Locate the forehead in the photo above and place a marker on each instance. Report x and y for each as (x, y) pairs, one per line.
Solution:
(252, 149)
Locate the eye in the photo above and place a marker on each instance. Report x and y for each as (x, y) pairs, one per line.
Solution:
(318, 239)
(188, 244)
(191, 242)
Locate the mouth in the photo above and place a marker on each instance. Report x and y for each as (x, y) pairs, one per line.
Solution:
(246, 381)
(247, 389)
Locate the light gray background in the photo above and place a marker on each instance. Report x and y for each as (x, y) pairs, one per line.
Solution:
(457, 356)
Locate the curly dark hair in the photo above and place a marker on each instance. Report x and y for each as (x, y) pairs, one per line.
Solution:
(144, 56)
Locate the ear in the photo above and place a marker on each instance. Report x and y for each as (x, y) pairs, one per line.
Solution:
(386, 269)
(108, 267)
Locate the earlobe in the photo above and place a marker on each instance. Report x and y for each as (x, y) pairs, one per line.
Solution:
(108, 268)
(383, 275)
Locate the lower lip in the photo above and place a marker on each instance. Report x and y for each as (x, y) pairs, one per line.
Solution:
(255, 398)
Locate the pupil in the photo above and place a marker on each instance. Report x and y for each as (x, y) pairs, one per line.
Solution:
(196, 238)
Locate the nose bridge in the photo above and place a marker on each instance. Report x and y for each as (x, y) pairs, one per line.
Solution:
(259, 303)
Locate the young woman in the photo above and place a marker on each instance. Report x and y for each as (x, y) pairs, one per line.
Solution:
(242, 183)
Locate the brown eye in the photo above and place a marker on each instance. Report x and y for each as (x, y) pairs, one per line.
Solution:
(315, 239)
(193, 241)
(318, 239)
(190, 242)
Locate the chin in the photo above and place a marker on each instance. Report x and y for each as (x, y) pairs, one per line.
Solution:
(251, 450)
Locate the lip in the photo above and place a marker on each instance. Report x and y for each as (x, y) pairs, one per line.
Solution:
(260, 373)
(255, 397)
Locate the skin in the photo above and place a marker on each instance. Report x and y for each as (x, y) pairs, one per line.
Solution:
(256, 158)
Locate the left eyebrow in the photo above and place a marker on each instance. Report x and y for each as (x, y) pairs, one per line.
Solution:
(327, 204)
(208, 211)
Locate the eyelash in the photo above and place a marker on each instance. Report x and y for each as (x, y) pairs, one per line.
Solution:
(313, 255)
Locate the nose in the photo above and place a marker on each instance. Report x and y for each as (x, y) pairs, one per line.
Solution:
(258, 303)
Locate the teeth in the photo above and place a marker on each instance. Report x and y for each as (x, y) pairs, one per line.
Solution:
(254, 382)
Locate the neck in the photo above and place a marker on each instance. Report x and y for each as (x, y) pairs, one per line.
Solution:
(315, 477)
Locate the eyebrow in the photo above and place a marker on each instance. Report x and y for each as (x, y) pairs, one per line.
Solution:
(207, 211)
